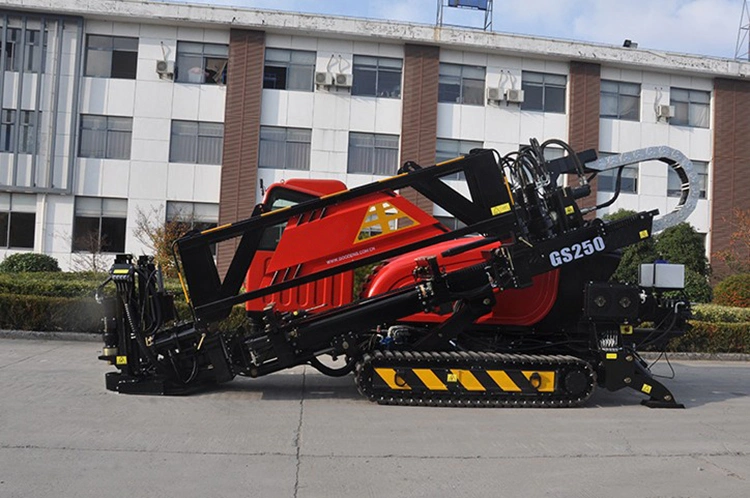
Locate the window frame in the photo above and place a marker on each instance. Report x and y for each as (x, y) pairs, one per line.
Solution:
(101, 217)
(32, 54)
(461, 145)
(198, 136)
(527, 84)
(288, 67)
(612, 176)
(449, 80)
(620, 97)
(372, 167)
(691, 105)
(288, 131)
(183, 74)
(109, 136)
(379, 69)
(112, 50)
(27, 131)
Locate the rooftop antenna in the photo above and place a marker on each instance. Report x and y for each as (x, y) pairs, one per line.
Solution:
(742, 50)
(475, 5)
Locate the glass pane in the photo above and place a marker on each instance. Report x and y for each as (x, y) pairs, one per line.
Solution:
(360, 159)
(272, 133)
(449, 70)
(298, 156)
(385, 161)
(126, 44)
(185, 128)
(555, 79)
(473, 92)
(22, 230)
(700, 97)
(215, 71)
(630, 108)
(207, 213)
(389, 84)
(179, 210)
(680, 113)
(528, 77)
(4, 202)
(554, 100)
(4, 229)
(364, 82)
(385, 62)
(363, 60)
(608, 105)
(533, 97)
(120, 124)
(278, 55)
(300, 78)
(115, 208)
(93, 143)
(361, 140)
(118, 144)
(23, 202)
(606, 181)
(88, 206)
(183, 149)
(86, 234)
(274, 77)
(100, 42)
(189, 48)
(609, 86)
(124, 64)
(189, 68)
(698, 115)
(98, 63)
(216, 50)
(449, 90)
(90, 122)
(473, 72)
(677, 94)
(211, 129)
(386, 141)
(298, 135)
(271, 154)
(674, 185)
(630, 89)
(303, 57)
(113, 234)
(209, 150)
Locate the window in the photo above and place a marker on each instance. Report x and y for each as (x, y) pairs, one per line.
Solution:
(674, 185)
(284, 148)
(194, 216)
(607, 180)
(99, 224)
(450, 222)
(289, 69)
(106, 137)
(373, 154)
(543, 92)
(691, 107)
(448, 149)
(32, 56)
(377, 77)
(17, 221)
(8, 131)
(111, 56)
(279, 197)
(461, 84)
(201, 63)
(620, 100)
(196, 142)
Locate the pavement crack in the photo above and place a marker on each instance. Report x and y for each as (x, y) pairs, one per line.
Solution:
(725, 471)
(298, 437)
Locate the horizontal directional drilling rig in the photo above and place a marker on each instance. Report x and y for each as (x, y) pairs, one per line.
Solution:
(515, 307)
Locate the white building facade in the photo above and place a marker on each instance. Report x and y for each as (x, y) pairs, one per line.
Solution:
(130, 109)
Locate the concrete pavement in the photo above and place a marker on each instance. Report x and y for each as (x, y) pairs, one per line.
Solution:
(301, 434)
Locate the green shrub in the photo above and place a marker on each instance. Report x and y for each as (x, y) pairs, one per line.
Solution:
(733, 291)
(717, 313)
(719, 337)
(29, 262)
(45, 313)
(697, 288)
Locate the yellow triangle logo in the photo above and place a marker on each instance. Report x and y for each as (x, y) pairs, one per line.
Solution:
(382, 219)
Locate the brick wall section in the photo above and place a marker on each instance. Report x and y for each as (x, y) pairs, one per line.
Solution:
(239, 171)
(583, 115)
(419, 112)
(731, 175)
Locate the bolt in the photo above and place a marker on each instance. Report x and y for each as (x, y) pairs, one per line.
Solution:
(667, 398)
(627, 380)
(486, 301)
(345, 345)
(629, 358)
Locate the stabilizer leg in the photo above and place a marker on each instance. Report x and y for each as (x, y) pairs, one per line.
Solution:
(625, 369)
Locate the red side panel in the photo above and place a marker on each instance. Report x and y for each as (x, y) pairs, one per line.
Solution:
(325, 293)
(514, 307)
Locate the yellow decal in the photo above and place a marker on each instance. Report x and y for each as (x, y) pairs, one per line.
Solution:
(646, 388)
(392, 177)
(503, 381)
(121, 271)
(611, 356)
(383, 219)
(467, 379)
(393, 380)
(452, 378)
(216, 229)
(569, 210)
(449, 161)
(643, 234)
(122, 360)
(500, 209)
(626, 329)
(429, 379)
(547, 380)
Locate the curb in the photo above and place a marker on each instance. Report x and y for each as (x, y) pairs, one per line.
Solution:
(95, 337)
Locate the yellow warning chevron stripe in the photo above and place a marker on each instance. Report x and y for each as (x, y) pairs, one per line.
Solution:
(547, 384)
(467, 379)
(503, 381)
(393, 380)
(430, 380)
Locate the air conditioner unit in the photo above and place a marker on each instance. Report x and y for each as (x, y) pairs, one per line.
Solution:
(514, 95)
(165, 68)
(344, 80)
(494, 94)
(323, 78)
(664, 111)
